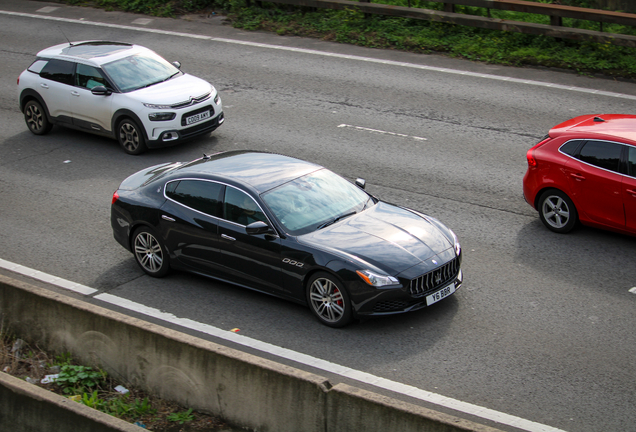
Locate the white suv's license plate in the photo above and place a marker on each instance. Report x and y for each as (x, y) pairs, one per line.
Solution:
(438, 295)
(197, 117)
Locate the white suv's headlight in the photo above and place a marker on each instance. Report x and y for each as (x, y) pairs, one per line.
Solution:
(161, 116)
(157, 107)
(375, 279)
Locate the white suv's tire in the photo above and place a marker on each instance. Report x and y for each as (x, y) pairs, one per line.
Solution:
(131, 137)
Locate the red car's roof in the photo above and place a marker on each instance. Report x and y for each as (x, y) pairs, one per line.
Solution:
(607, 126)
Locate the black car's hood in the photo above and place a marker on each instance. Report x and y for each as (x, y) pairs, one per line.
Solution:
(388, 237)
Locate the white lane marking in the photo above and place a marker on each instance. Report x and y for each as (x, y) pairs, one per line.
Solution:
(47, 9)
(142, 21)
(325, 365)
(334, 55)
(44, 277)
(305, 359)
(381, 132)
(632, 290)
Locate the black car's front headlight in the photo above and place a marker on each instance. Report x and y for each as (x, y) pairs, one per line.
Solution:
(376, 279)
(456, 245)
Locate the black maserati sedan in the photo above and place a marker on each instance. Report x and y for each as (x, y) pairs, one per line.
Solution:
(288, 228)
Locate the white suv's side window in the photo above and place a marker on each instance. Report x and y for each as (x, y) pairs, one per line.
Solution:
(59, 70)
(89, 77)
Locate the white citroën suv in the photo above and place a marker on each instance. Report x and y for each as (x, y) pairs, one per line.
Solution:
(119, 90)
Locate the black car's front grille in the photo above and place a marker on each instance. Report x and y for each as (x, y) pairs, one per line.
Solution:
(431, 281)
(191, 101)
(390, 306)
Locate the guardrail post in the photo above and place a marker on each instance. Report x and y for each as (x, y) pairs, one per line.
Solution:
(449, 7)
(366, 15)
(556, 20)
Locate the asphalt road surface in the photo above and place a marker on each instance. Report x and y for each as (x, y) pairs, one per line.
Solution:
(543, 327)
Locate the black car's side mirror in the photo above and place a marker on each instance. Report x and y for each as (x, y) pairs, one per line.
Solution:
(258, 227)
(100, 91)
(361, 183)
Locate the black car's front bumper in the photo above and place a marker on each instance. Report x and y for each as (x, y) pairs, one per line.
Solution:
(412, 294)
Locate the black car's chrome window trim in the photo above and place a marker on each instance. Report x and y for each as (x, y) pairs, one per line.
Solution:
(216, 217)
(596, 166)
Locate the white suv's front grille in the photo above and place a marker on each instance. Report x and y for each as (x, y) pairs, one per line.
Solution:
(191, 101)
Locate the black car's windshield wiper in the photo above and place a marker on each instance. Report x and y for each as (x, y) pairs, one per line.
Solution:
(333, 221)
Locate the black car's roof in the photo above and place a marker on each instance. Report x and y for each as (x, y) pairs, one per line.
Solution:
(261, 171)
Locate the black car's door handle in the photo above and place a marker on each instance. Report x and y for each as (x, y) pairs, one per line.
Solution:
(168, 218)
(227, 237)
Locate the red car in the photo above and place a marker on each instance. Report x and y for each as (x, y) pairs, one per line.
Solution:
(585, 170)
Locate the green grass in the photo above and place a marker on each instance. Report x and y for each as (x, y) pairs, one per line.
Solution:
(352, 27)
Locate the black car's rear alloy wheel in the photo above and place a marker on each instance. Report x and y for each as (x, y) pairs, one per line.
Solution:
(557, 211)
(150, 253)
(36, 119)
(131, 137)
(328, 300)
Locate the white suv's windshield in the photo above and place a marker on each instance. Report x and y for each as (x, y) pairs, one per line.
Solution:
(138, 71)
(314, 200)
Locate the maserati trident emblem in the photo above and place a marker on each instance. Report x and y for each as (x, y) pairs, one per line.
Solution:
(438, 278)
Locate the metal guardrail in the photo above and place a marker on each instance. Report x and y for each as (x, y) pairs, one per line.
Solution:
(556, 13)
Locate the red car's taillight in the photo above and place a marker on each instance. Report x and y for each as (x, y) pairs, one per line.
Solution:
(115, 198)
(532, 161)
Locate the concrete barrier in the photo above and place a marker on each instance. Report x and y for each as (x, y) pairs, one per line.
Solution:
(26, 407)
(241, 388)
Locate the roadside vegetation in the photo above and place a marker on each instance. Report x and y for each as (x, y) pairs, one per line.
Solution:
(96, 389)
(352, 27)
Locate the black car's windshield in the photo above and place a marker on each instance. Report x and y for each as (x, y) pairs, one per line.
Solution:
(314, 201)
(139, 70)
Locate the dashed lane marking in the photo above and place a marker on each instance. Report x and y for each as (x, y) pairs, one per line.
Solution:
(360, 128)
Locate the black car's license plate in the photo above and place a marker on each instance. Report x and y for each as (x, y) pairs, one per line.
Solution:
(438, 295)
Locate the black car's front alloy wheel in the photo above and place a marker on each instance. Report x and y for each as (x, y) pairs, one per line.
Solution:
(150, 253)
(328, 300)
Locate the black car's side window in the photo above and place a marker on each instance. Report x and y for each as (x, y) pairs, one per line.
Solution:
(241, 208)
(631, 161)
(203, 196)
(59, 70)
(88, 77)
(602, 154)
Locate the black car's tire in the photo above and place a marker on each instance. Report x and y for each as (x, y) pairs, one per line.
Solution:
(328, 300)
(131, 137)
(557, 211)
(150, 252)
(36, 119)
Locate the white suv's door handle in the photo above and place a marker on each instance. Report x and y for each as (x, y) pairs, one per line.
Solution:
(44, 85)
(74, 93)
